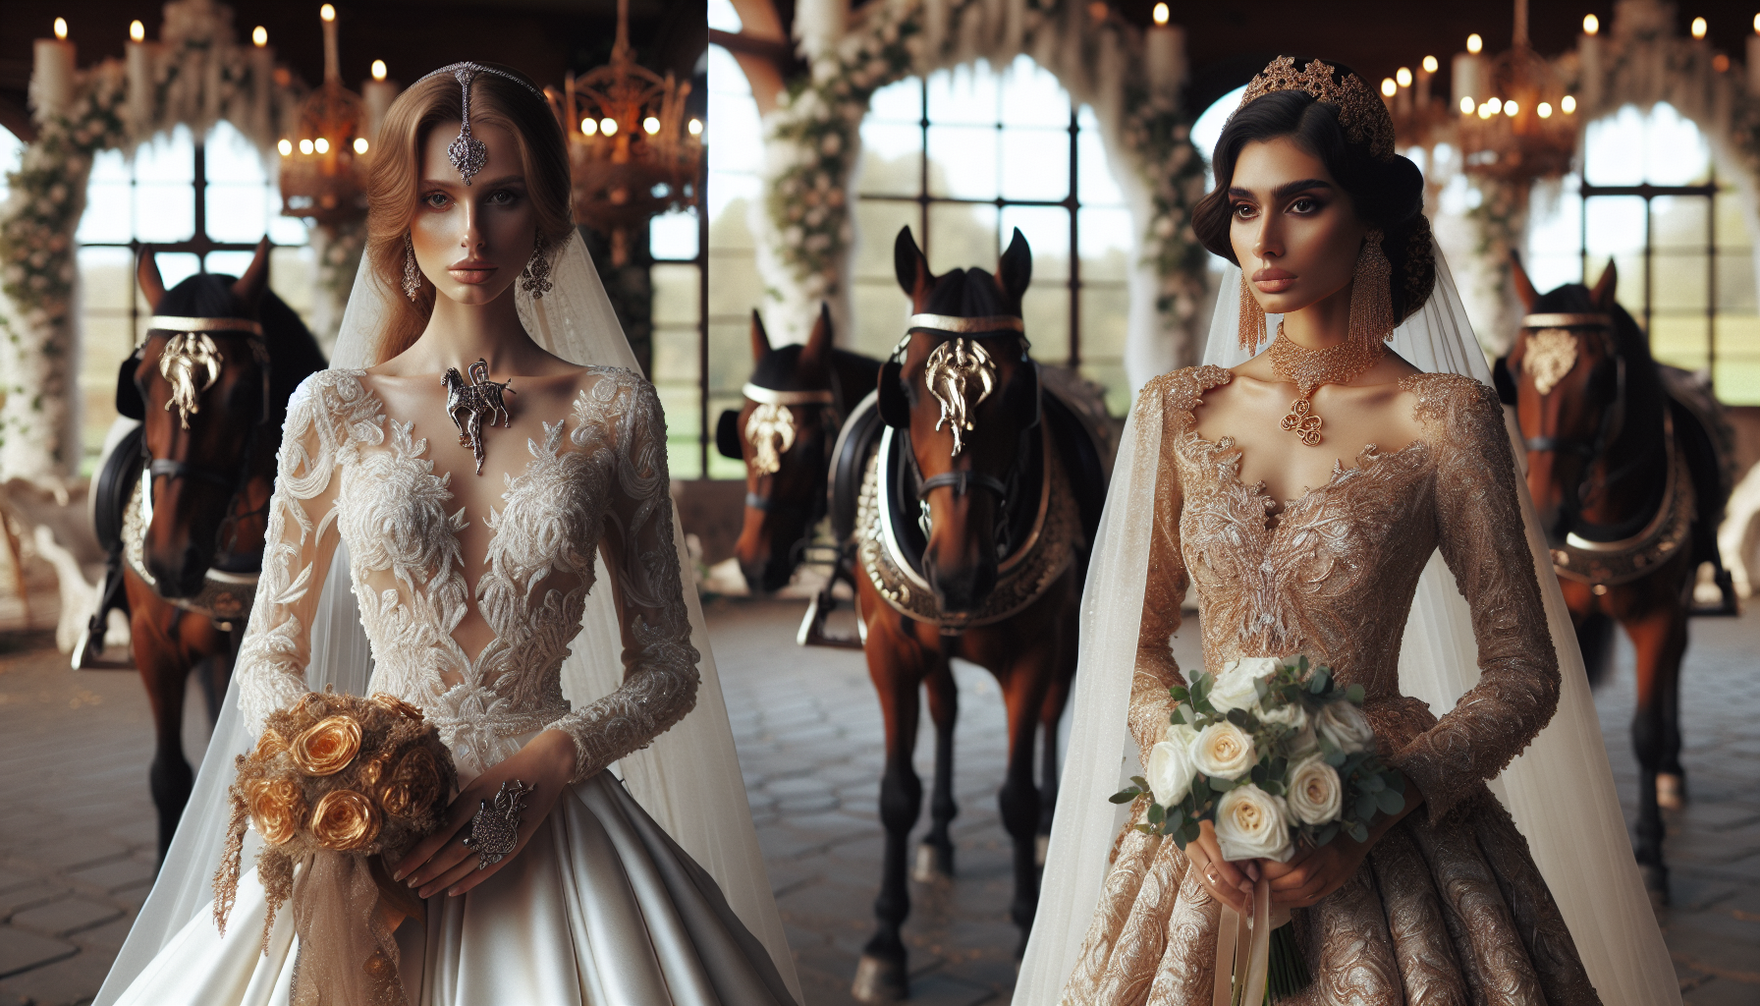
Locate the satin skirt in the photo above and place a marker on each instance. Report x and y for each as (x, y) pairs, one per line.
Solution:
(601, 908)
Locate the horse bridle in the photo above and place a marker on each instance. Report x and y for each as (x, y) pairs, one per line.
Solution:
(230, 479)
(830, 418)
(1607, 431)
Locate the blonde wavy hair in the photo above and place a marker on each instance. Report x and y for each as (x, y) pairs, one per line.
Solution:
(393, 184)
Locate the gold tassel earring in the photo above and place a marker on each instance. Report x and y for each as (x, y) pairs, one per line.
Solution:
(1252, 321)
(1372, 294)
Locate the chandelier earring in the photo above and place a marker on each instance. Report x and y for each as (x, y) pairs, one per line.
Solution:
(412, 276)
(535, 280)
(1252, 323)
(1372, 320)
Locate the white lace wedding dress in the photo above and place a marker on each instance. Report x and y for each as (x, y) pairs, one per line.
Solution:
(601, 906)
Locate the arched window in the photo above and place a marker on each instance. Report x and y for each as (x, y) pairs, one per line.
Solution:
(963, 157)
(1653, 203)
(203, 207)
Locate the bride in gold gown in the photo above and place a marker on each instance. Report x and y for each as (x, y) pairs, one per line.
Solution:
(1302, 495)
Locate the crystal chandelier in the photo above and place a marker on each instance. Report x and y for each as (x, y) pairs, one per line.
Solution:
(632, 150)
(323, 171)
(1523, 127)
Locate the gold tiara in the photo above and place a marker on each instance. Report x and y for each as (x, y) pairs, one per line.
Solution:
(1360, 111)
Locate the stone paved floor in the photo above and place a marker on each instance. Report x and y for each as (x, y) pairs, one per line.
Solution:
(76, 835)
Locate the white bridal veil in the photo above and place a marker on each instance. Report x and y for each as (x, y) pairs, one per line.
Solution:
(688, 780)
(1560, 790)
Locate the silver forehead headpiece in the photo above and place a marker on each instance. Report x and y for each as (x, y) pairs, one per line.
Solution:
(466, 154)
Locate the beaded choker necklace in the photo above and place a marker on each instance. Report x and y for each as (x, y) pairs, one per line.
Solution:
(1307, 369)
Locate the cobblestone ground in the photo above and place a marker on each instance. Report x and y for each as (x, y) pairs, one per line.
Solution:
(76, 835)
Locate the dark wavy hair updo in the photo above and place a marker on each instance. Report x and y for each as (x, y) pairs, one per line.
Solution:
(1387, 193)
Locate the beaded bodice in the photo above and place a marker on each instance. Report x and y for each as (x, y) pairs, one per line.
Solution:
(350, 473)
(1334, 575)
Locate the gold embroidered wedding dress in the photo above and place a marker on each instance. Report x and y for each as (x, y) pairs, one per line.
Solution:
(601, 906)
(1448, 907)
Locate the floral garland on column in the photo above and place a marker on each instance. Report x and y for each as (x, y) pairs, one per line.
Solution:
(813, 142)
(199, 75)
(38, 361)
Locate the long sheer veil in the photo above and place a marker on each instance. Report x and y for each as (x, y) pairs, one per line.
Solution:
(688, 780)
(1560, 790)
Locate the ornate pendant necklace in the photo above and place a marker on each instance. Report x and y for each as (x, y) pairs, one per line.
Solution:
(1307, 369)
(469, 404)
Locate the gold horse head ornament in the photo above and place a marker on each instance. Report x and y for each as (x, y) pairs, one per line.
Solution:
(1552, 353)
(185, 355)
(953, 369)
(771, 433)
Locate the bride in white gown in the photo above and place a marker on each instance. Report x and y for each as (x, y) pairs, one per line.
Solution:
(475, 595)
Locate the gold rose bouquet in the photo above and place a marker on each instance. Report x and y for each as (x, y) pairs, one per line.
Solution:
(1274, 753)
(338, 783)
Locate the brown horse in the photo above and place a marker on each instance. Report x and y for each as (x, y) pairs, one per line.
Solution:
(795, 403)
(210, 385)
(1624, 468)
(977, 507)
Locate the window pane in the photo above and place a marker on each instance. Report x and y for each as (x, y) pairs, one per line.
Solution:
(966, 95)
(106, 275)
(1105, 315)
(877, 226)
(1031, 96)
(231, 158)
(1679, 340)
(1679, 222)
(1045, 309)
(881, 311)
(106, 216)
(961, 237)
(1096, 185)
(1735, 282)
(1738, 359)
(230, 263)
(900, 102)
(1106, 244)
(284, 230)
(167, 159)
(884, 175)
(674, 235)
(164, 212)
(109, 166)
(175, 267)
(290, 276)
(735, 287)
(1046, 229)
(237, 212)
(1035, 164)
(675, 295)
(962, 161)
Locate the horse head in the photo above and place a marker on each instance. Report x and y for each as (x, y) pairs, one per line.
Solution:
(201, 386)
(961, 383)
(784, 432)
(1580, 367)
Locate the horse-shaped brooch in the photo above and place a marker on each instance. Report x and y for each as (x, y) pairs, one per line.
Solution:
(476, 400)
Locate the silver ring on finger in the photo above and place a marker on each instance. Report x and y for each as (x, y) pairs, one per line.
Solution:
(493, 831)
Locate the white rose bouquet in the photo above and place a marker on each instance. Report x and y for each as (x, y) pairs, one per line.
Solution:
(1273, 752)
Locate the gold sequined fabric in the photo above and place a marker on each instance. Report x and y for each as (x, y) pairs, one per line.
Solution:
(1448, 907)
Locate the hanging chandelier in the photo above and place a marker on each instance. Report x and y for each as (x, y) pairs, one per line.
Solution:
(633, 151)
(323, 170)
(1516, 122)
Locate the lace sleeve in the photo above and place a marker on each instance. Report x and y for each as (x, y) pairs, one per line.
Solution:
(660, 664)
(1482, 538)
(271, 665)
(1156, 668)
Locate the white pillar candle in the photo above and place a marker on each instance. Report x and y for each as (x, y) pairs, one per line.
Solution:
(139, 64)
(1589, 65)
(378, 95)
(1423, 86)
(263, 89)
(52, 76)
(1164, 57)
(1472, 78)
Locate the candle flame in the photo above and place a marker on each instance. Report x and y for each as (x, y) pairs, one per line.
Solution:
(1475, 43)
(1757, 24)
(1466, 105)
(590, 126)
(1403, 76)
(285, 146)
(1160, 13)
(378, 69)
(1699, 27)
(1430, 64)
(650, 125)
(695, 126)
(608, 126)
(1591, 24)
(1544, 110)
(259, 36)
(137, 31)
(327, 13)
(1568, 103)
(61, 28)
(1510, 109)
(1388, 87)
(360, 144)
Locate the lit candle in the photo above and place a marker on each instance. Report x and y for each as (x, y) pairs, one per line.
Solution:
(1164, 55)
(1403, 79)
(1589, 60)
(378, 94)
(139, 67)
(262, 76)
(1754, 59)
(52, 72)
(1426, 70)
(327, 14)
(1471, 79)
